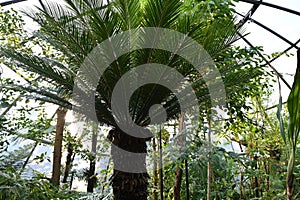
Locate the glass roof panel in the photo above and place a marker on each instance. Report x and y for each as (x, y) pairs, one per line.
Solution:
(290, 4)
(284, 23)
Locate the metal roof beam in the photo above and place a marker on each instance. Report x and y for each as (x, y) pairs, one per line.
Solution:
(7, 3)
(283, 52)
(267, 62)
(275, 33)
(268, 29)
(248, 15)
(272, 6)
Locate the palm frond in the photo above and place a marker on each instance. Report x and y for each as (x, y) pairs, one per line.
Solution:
(47, 68)
(217, 36)
(130, 13)
(77, 26)
(65, 30)
(161, 13)
(40, 93)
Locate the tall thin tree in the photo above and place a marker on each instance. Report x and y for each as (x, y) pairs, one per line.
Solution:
(57, 153)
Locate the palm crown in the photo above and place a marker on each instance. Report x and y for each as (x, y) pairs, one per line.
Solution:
(76, 27)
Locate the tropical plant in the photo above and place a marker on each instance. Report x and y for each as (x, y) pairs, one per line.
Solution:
(293, 131)
(13, 187)
(74, 28)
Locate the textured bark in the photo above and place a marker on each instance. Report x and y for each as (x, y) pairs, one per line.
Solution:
(91, 175)
(127, 185)
(289, 187)
(177, 185)
(68, 163)
(179, 172)
(61, 113)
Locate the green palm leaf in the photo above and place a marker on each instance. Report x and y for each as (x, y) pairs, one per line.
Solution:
(50, 69)
(39, 93)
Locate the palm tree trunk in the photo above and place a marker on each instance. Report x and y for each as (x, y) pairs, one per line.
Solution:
(128, 185)
(91, 176)
(61, 113)
(177, 185)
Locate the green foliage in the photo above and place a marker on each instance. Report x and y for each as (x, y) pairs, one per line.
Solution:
(13, 187)
(11, 25)
(14, 159)
(293, 104)
(67, 36)
(76, 38)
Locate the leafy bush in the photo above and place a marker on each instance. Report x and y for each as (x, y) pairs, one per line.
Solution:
(13, 187)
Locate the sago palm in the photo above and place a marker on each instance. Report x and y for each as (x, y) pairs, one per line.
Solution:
(75, 27)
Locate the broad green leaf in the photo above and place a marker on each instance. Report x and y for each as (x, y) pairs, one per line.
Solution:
(293, 104)
(294, 107)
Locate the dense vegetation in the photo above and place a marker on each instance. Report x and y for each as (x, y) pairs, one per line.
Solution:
(249, 153)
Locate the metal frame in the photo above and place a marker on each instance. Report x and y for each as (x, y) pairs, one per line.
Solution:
(267, 62)
(256, 2)
(248, 17)
(267, 28)
(7, 3)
